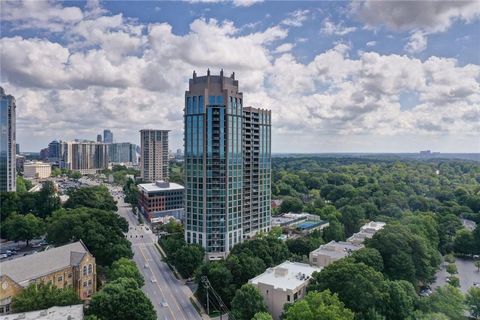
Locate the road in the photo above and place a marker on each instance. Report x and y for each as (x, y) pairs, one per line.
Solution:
(169, 296)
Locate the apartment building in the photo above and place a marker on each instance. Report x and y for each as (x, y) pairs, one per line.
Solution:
(154, 155)
(285, 283)
(8, 167)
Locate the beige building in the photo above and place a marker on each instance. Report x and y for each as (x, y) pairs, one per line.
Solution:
(154, 155)
(366, 232)
(285, 283)
(37, 170)
(68, 266)
(331, 252)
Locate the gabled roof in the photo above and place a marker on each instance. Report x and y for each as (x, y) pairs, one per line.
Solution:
(23, 269)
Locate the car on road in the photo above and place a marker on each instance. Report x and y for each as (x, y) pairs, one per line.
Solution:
(3, 256)
(164, 303)
(146, 266)
(153, 280)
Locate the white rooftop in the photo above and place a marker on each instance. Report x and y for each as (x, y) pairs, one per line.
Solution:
(160, 186)
(74, 312)
(373, 226)
(336, 249)
(286, 276)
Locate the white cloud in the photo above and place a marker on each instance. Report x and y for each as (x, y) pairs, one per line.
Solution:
(286, 47)
(296, 18)
(417, 42)
(371, 43)
(245, 3)
(330, 28)
(108, 69)
(431, 16)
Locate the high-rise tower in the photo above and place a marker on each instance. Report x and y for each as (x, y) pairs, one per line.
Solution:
(107, 136)
(8, 169)
(154, 155)
(214, 164)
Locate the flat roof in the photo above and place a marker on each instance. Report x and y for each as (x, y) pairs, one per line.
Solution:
(160, 186)
(286, 276)
(74, 312)
(336, 249)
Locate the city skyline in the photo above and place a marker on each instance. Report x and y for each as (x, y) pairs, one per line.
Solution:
(338, 76)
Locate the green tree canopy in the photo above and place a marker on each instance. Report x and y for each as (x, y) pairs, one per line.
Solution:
(473, 302)
(371, 257)
(23, 227)
(100, 230)
(122, 299)
(447, 300)
(262, 316)
(319, 305)
(247, 302)
(43, 296)
(188, 258)
(97, 197)
(359, 286)
(125, 268)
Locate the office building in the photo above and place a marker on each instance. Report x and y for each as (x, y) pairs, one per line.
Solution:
(55, 151)
(8, 168)
(154, 155)
(216, 152)
(161, 199)
(285, 283)
(107, 136)
(68, 266)
(74, 312)
(37, 170)
(87, 157)
(122, 152)
(99, 138)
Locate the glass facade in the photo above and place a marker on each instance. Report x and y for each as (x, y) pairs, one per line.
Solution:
(7, 142)
(214, 164)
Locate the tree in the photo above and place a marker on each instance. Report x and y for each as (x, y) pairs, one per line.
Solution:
(188, 258)
(122, 299)
(352, 217)
(359, 286)
(43, 296)
(97, 197)
(291, 204)
(23, 185)
(400, 301)
(303, 246)
(125, 268)
(334, 231)
(244, 267)
(220, 278)
(47, 200)
(262, 316)
(23, 227)
(371, 257)
(447, 300)
(101, 231)
(319, 305)
(452, 269)
(477, 264)
(464, 242)
(450, 258)
(473, 302)
(247, 302)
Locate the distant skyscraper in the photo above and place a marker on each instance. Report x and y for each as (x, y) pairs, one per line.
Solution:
(107, 136)
(214, 165)
(99, 138)
(154, 155)
(8, 168)
(55, 151)
(87, 157)
(122, 152)
(17, 150)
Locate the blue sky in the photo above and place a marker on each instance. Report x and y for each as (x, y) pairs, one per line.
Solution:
(366, 76)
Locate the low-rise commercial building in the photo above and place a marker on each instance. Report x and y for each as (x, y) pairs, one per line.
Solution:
(160, 199)
(37, 170)
(302, 222)
(285, 283)
(74, 312)
(68, 266)
(331, 252)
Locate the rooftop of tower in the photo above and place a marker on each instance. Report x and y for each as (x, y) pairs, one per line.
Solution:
(209, 78)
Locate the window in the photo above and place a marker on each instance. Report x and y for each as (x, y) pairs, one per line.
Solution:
(295, 296)
(85, 284)
(90, 269)
(84, 270)
(288, 298)
(70, 275)
(60, 279)
(90, 282)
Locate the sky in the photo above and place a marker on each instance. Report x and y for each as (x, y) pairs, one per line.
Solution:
(362, 76)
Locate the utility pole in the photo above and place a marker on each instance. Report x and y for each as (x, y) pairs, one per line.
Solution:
(206, 283)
